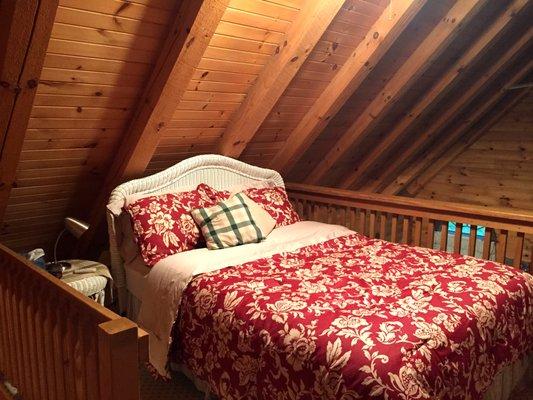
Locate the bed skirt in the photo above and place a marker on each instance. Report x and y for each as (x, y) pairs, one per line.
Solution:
(504, 382)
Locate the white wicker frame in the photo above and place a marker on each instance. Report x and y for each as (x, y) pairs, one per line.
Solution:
(217, 171)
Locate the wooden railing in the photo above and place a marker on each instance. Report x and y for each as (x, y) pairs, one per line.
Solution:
(56, 343)
(422, 222)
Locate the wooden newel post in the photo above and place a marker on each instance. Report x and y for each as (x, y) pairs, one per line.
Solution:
(118, 360)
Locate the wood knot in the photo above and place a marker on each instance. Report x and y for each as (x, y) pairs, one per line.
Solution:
(160, 126)
(79, 109)
(294, 58)
(189, 42)
(375, 35)
(98, 94)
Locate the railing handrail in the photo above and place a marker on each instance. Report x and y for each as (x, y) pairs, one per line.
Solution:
(496, 217)
(93, 309)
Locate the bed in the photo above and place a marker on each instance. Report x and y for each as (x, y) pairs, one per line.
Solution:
(322, 312)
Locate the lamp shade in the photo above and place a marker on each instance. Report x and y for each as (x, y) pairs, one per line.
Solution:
(75, 226)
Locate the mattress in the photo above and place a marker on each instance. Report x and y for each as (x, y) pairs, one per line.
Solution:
(136, 273)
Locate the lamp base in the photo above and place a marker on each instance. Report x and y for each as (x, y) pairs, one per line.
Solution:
(57, 268)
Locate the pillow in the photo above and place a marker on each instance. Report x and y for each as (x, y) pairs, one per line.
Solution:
(262, 219)
(163, 225)
(275, 201)
(117, 206)
(228, 224)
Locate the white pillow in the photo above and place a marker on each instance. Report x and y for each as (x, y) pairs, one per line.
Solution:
(262, 219)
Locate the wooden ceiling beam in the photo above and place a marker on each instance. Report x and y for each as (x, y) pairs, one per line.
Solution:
(400, 129)
(298, 43)
(346, 81)
(188, 37)
(417, 63)
(443, 119)
(184, 47)
(466, 140)
(24, 36)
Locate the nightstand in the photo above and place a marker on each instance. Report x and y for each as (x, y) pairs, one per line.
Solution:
(88, 277)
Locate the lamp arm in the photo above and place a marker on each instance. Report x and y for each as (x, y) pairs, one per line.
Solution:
(57, 242)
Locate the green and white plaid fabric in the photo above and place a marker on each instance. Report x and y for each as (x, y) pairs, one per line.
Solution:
(228, 224)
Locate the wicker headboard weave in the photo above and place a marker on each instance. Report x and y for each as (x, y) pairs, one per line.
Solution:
(217, 171)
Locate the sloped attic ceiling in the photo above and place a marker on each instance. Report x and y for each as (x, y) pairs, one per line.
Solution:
(340, 93)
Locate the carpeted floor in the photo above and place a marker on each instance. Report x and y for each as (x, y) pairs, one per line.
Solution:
(181, 388)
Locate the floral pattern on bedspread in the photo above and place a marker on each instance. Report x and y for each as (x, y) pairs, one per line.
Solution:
(355, 318)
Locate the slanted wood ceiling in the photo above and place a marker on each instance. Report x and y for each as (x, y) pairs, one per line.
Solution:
(381, 137)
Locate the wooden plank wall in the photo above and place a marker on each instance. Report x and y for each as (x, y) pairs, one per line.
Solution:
(249, 33)
(341, 38)
(97, 61)
(497, 170)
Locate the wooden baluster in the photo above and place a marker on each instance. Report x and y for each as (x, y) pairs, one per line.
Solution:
(57, 339)
(7, 360)
(394, 229)
(79, 360)
(305, 214)
(341, 216)
(458, 238)
(39, 335)
(29, 318)
(11, 331)
(472, 239)
(417, 232)
(361, 226)
(430, 234)
(91, 361)
(405, 229)
(24, 330)
(118, 360)
(383, 226)
(21, 384)
(487, 243)
(501, 246)
(48, 331)
(316, 212)
(68, 351)
(3, 324)
(372, 224)
(320, 213)
(444, 236)
(518, 250)
(353, 219)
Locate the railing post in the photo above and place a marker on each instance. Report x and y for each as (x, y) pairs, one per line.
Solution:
(118, 360)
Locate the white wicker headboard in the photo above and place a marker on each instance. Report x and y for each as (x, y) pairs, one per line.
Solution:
(217, 171)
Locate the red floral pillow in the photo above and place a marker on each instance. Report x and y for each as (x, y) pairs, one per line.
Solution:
(276, 202)
(162, 224)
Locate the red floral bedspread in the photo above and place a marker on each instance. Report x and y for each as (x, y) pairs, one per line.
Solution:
(355, 318)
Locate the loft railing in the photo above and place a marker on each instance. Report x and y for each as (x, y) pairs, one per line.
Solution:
(56, 343)
(505, 235)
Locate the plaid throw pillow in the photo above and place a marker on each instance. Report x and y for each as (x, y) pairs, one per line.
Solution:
(227, 224)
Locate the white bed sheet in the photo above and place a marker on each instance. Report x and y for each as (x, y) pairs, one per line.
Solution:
(166, 281)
